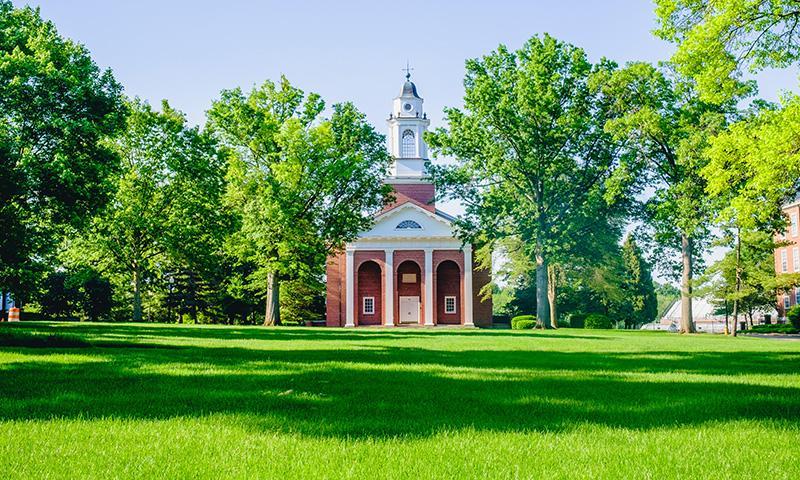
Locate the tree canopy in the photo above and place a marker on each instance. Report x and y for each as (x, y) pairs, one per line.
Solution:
(533, 160)
(56, 109)
(300, 185)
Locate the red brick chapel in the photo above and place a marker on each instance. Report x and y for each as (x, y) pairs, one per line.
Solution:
(409, 268)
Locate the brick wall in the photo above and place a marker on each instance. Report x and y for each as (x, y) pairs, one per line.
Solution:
(374, 288)
(369, 285)
(335, 291)
(422, 193)
(448, 283)
(481, 309)
(793, 242)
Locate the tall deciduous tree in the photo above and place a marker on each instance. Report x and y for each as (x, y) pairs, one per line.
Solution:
(533, 161)
(719, 40)
(754, 169)
(55, 108)
(167, 203)
(301, 185)
(668, 127)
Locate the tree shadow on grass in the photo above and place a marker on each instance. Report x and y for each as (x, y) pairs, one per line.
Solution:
(388, 391)
(170, 331)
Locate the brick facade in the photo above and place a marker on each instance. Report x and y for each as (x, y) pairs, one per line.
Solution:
(422, 194)
(335, 290)
(481, 308)
(370, 280)
(787, 258)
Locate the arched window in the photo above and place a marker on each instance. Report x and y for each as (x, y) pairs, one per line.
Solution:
(408, 224)
(409, 148)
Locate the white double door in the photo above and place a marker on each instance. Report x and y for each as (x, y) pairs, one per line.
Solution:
(409, 309)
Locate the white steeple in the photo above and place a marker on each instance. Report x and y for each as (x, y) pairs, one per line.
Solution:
(407, 123)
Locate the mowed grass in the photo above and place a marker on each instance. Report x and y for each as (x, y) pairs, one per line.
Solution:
(158, 401)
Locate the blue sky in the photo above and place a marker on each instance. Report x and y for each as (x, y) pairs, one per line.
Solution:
(187, 51)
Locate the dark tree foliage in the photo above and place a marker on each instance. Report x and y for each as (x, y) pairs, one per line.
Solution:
(56, 107)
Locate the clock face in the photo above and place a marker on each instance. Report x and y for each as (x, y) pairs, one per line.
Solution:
(407, 107)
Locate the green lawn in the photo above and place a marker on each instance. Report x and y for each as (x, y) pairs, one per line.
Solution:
(157, 401)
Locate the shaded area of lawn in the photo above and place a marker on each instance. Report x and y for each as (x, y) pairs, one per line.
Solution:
(403, 386)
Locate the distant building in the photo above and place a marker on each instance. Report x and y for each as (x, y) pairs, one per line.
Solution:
(787, 258)
(409, 268)
(706, 316)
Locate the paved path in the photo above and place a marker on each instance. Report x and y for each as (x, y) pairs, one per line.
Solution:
(775, 336)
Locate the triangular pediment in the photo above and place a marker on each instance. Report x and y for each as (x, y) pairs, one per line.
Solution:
(409, 220)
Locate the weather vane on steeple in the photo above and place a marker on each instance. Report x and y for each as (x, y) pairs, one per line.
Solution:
(408, 70)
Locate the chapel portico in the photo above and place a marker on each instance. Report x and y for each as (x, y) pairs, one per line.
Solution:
(409, 268)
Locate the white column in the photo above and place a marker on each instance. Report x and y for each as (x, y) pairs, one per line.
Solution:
(468, 286)
(428, 286)
(388, 300)
(349, 319)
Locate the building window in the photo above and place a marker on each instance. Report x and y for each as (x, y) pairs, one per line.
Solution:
(784, 261)
(409, 146)
(797, 296)
(786, 301)
(408, 224)
(450, 304)
(369, 305)
(793, 218)
(795, 259)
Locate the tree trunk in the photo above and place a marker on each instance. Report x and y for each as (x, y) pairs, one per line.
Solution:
(727, 331)
(273, 313)
(551, 295)
(687, 322)
(738, 284)
(542, 304)
(137, 295)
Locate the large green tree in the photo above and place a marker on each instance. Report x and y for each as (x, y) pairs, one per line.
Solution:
(754, 168)
(301, 185)
(720, 40)
(532, 159)
(667, 127)
(167, 202)
(56, 107)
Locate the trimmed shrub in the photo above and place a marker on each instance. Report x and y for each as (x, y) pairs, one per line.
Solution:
(598, 321)
(523, 322)
(793, 315)
(564, 324)
(784, 328)
(577, 320)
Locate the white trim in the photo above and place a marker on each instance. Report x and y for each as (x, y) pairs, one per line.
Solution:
(364, 306)
(349, 319)
(389, 294)
(429, 286)
(407, 205)
(450, 311)
(468, 321)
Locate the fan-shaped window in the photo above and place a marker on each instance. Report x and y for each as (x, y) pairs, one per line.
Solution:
(408, 224)
(409, 148)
